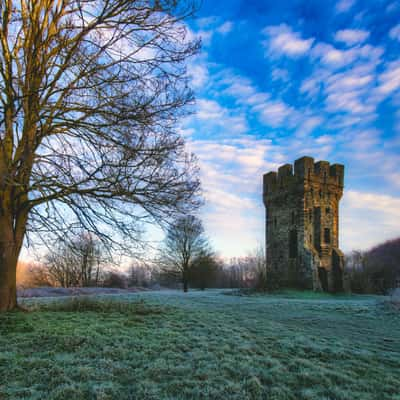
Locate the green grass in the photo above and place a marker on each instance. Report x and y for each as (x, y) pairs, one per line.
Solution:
(168, 345)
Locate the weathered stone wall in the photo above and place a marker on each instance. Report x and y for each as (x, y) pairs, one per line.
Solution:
(302, 207)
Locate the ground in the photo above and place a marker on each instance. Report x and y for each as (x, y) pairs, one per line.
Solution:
(201, 345)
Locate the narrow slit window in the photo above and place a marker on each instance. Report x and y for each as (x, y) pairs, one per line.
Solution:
(293, 244)
(327, 235)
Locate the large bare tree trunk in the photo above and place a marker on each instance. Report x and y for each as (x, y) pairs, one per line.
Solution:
(9, 251)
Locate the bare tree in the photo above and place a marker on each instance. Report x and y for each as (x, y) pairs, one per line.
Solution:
(76, 263)
(376, 270)
(140, 274)
(92, 257)
(184, 243)
(91, 91)
(61, 265)
(32, 274)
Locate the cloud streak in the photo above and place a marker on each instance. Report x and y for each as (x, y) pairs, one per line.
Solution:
(282, 40)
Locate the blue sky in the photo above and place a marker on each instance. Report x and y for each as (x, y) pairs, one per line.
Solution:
(277, 80)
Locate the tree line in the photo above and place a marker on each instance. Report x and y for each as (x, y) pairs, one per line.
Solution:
(185, 259)
(376, 270)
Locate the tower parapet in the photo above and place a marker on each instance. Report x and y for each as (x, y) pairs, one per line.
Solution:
(302, 223)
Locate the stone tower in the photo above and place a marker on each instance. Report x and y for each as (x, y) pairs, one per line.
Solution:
(302, 224)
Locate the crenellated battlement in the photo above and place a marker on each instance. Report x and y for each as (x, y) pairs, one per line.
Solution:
(304, 171)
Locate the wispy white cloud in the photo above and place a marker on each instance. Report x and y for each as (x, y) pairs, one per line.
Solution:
(207, 22)
(209, 109)
(241, 89)
(351, 36)
(347, 79)
(225, 28)
(308, 124)
(394, 33)
(258, 99)
(390, 79)
(274, 113)
(344, 5)
(335, 58)
(280, 74)
(213, 115)
(282, 40)
(198, 73)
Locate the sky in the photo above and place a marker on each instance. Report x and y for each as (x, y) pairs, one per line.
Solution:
(277, 80)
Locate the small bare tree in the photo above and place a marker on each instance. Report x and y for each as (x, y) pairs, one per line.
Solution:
(76, 263)
(184, 243)
(140, 274)
(91, 91)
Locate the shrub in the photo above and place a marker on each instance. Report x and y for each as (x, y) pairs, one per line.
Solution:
(115, 280)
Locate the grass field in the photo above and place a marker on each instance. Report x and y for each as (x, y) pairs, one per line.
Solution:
(170, 345)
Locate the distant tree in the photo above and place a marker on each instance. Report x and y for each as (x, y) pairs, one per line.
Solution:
(91, 91)
(376, 270)
(204, 271)
(60, 265)
(91, 257)
(355, 273)
(115, 279)
(33, 274)
(76, 263)
(185, 242)
(247, 271)
(258, 263)
(140, 274)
